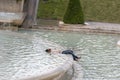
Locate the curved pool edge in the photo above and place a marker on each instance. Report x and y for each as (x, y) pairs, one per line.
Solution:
(78, 71)
(55, 74)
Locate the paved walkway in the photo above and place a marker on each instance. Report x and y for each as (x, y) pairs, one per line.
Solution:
(96, 27)
(104, 26)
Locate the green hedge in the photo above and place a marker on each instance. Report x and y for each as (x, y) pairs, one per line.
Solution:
(74, 14)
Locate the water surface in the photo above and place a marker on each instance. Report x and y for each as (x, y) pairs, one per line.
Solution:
(22, 55)
(100, 54)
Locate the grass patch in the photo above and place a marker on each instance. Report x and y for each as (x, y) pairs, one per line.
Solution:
(94, 10)
(101, 10)
(52, 9)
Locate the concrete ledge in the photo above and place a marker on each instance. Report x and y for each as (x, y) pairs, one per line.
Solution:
(14, 18)
(78, 72)
(11, 28)
(78, 28)
(90, 27)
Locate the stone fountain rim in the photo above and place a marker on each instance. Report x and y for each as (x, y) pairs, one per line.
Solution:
(60, 70)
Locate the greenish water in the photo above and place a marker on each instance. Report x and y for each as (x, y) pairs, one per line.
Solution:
(100, 54)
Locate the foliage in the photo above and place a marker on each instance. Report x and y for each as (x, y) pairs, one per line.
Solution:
(74, 14)
(94, 10)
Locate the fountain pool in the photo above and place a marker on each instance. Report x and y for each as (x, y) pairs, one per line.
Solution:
(22, 54)
(100, 53)
(22, 57)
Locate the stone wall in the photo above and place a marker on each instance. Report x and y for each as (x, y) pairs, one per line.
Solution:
(10, 6)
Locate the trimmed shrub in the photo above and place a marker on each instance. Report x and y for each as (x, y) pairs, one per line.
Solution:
(74, 14)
